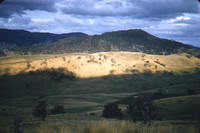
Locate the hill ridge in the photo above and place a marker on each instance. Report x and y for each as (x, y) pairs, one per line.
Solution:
(133, 40)
(16, 38)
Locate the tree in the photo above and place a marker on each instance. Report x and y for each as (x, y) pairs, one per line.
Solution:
(158, 94)
(58, 109)
(136, 110)
(111, 110)
(40, 110)
(143, 111)
(190, 91)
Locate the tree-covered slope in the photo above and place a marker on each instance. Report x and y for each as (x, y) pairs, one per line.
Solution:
(16, 38)
(130, 40)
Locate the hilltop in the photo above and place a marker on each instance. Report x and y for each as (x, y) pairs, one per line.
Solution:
(134, 40)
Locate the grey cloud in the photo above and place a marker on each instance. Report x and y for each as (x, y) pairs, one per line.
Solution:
(183, 30)
(165, 8)
(17, 22)
(94, 8)
(149, 9)
(135, 8)
(10, 7)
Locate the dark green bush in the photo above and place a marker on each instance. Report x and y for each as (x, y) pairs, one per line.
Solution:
(111, 110)
(40, 110)
(58, 109)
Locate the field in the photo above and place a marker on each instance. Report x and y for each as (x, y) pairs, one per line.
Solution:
(84, 83)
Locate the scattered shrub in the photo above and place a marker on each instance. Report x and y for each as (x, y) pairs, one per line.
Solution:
(44, 63)
(58, 109)
(113, 60)
(190, 91)
(40, 110)
(28, 65)
(105, 57)
(112, 71)
(79, 57)
(64, 59)
(188, 56)
(60, 74)
(197, 64)
(159, 63)
(158, 94)
(147, 65)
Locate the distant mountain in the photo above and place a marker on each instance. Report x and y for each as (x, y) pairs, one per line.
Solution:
(135, 40)
(18, 38)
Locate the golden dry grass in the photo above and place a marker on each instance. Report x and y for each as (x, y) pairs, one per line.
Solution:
(107, 126)
(100, 64)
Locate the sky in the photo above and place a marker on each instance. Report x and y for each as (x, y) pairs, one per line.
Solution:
(171, 19)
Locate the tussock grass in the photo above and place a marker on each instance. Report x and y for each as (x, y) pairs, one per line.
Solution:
(107, 126)
(127, 127)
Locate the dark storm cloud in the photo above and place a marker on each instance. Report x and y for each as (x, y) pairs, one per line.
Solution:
(135, 8)
(10, 7)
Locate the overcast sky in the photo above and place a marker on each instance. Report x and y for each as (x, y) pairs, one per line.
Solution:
(172, 19)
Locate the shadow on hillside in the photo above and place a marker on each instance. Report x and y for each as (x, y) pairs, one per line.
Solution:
(62, 82)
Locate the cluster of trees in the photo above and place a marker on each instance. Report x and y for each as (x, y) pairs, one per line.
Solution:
(111, 110)
(137, 111)
(41, 111)
(143, 111)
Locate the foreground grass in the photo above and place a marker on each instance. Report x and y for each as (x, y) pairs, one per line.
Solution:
(118, 127)
(80, 123)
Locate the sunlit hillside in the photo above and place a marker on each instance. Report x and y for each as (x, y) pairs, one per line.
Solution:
(101, 64)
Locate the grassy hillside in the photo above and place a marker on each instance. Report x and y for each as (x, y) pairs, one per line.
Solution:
(180, 108)
(130, 40)
(26, 79)
(84, 83)
(101, 64)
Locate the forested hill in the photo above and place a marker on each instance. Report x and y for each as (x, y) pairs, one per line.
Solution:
(17, 38)
(135, 40)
